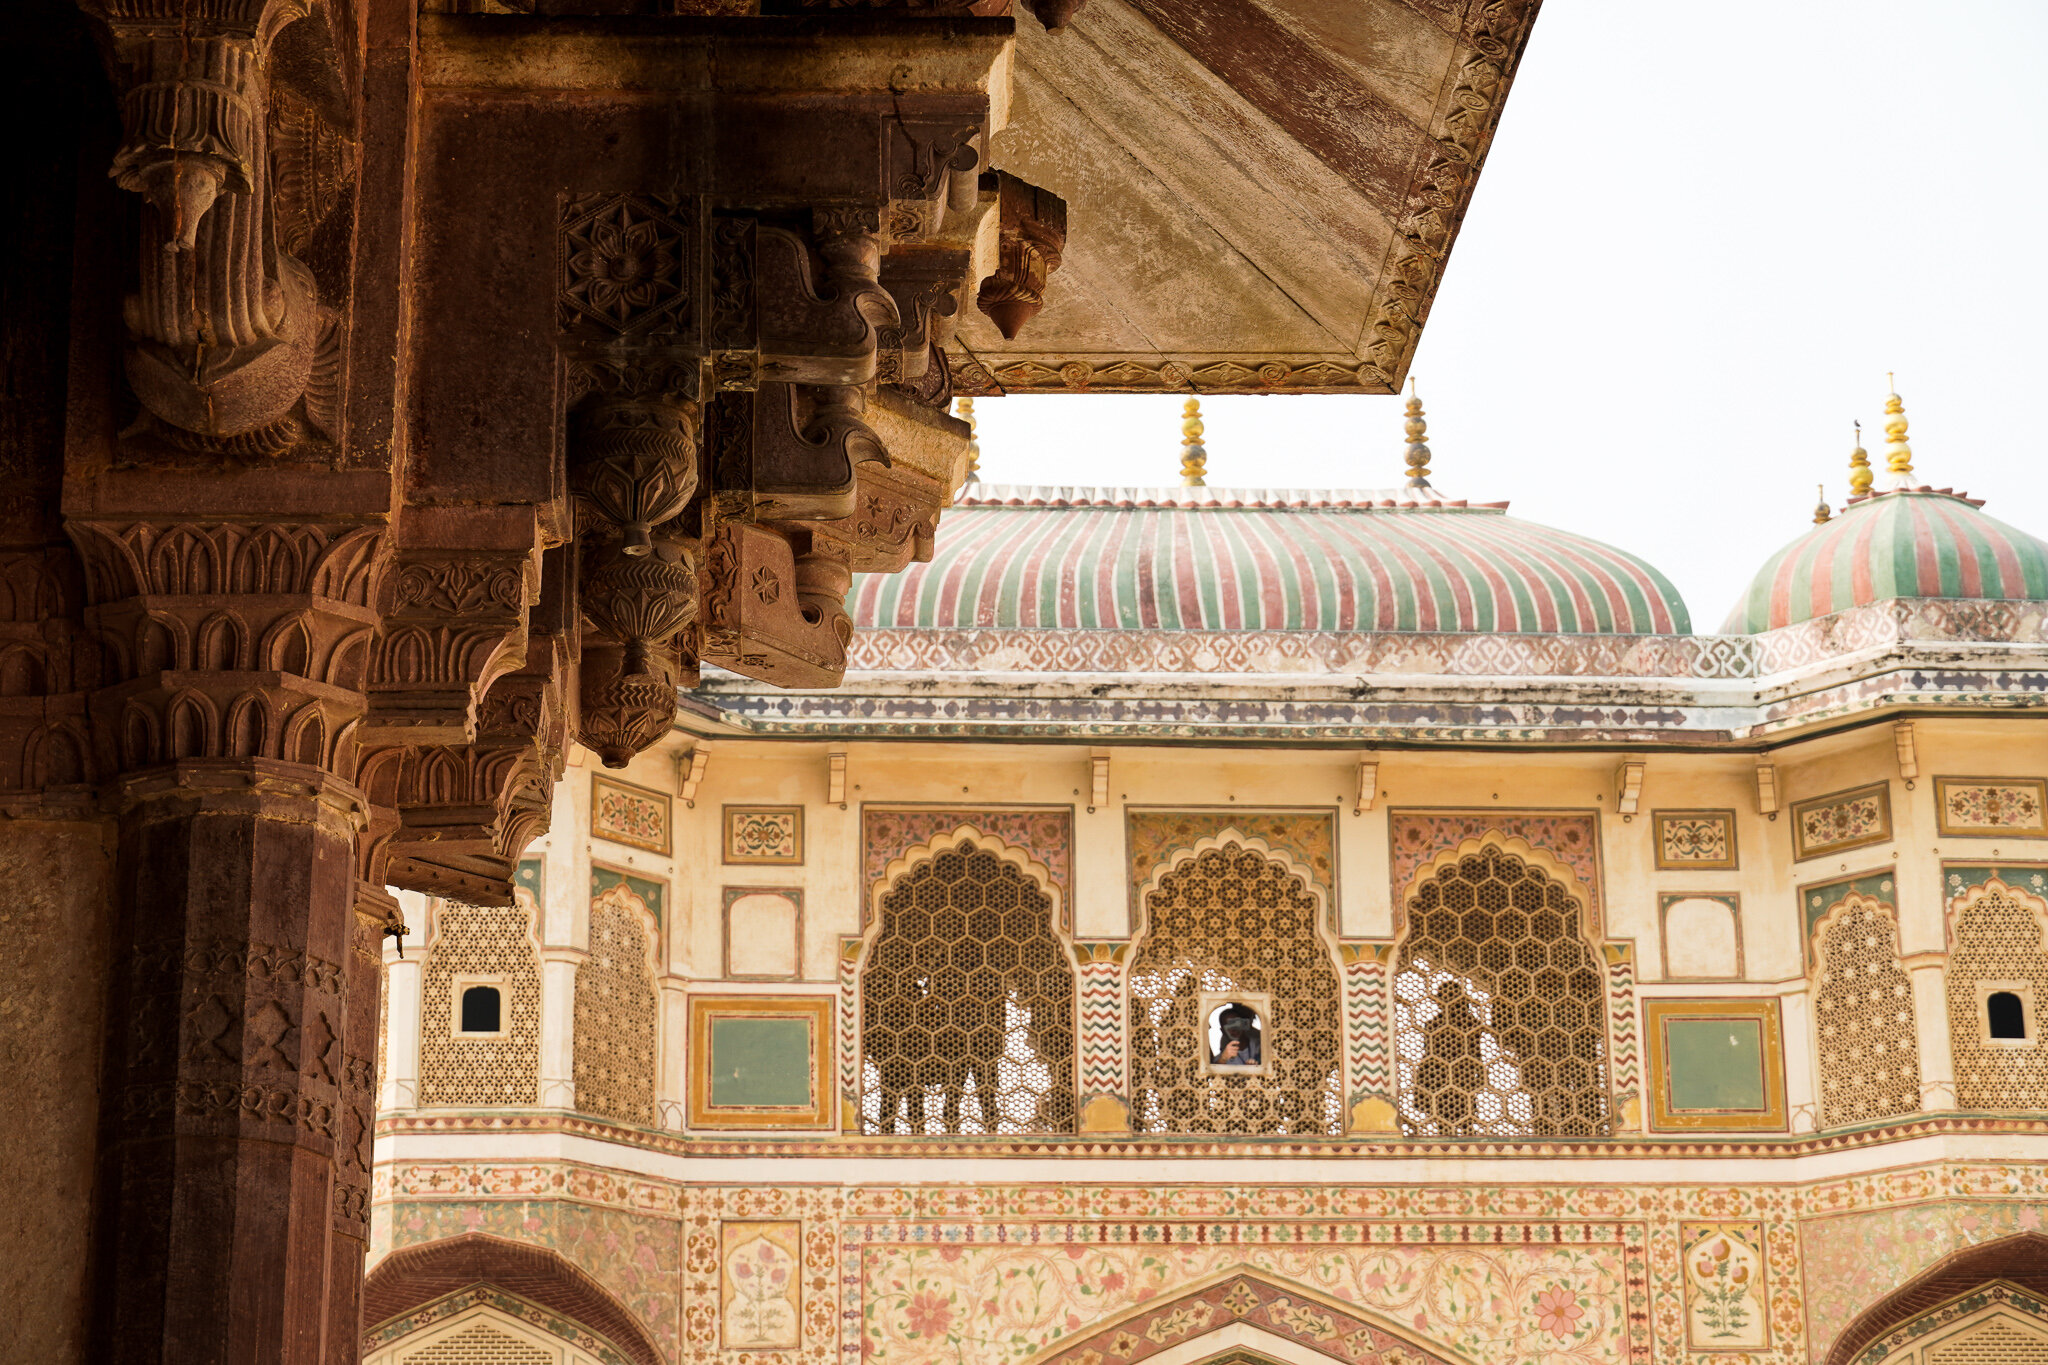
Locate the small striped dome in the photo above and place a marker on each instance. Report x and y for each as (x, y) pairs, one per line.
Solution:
(1915, 542)
(1261, 560)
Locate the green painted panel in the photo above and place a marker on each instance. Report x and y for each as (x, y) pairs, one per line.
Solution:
(527, 875)
(1817, 900)
(1715, 1065)
(603, 879)
(760, 1063)
(2031, 877)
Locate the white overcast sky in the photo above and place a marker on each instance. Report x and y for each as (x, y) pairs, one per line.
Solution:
(1703, 235)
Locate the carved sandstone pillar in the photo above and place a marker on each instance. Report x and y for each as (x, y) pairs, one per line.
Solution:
(236, 1113)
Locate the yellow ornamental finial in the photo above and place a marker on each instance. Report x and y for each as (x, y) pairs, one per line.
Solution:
(973, 441)
(1898, 456)
(1859, 468)
(1194, 457)
(1822, 511)
(1418, 450)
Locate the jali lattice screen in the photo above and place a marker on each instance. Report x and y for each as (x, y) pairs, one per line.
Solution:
(1997, 938)
(491, 942)
(1863, 1011)
(615, 1013)
(967, 1004)
(1231, 919)
(1500, 1027)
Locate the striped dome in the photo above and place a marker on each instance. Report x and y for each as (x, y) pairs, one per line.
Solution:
(1261, 560)
(1918, 542)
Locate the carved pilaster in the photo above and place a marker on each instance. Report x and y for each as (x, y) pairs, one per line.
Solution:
(1033, 233)
(228, 339)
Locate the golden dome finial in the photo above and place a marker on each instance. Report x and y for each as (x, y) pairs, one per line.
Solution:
(1194, 457)
(973, 441)
(1418, 450)
(1859, 468)
(1898, 455)
(1822, 511)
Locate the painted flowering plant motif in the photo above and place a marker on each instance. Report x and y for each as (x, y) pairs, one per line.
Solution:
(997, 1305)
(1724, 1298)
(1724, 1288)
(759, 1311)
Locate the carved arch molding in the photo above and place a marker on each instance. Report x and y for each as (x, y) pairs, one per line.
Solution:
(428, 1282)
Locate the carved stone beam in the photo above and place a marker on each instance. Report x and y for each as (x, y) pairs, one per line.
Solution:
(775, 604)
(1033, 233)
(821, 332)
(456, 622)
(226, 330)
(789, 453)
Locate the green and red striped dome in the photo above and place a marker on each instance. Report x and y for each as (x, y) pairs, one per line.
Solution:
(1261, 560)
(1913, 542)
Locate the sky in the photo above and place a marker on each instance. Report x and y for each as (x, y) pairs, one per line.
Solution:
(1703, 235)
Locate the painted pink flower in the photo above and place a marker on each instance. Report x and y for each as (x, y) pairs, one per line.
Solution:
(928, 1315)
(1558, 1311)
(988, 1309)
(1112, 1282)
(951, 1253)
(742, 1271)
(1073, 1323)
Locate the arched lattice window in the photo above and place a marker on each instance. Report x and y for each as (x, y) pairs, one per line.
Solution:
(615, 1010)
(967, 1004)
(477, 944)
(1996, 965)
(1231, 921)
(1863, 1009)
(1500, 1025)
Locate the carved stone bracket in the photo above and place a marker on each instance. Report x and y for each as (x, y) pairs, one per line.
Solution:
(456, 623)
(1033, 227)
(791, 453)
(775, 604)
(230, 348)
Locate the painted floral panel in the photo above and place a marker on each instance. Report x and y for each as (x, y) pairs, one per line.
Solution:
(1726, 1302)
(1973, 806)
(972, 1305)
(1841, 820)
(1695, 838)
(764, 834)
(760, 1295)
(1047, 833)
(636, 816)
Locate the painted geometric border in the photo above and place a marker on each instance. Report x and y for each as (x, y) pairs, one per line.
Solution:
(814, 1010)
(1658, 1013)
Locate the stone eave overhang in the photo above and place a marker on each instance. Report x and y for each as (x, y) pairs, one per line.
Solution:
(1684, 692)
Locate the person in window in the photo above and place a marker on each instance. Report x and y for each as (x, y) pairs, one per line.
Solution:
(1239, 1026)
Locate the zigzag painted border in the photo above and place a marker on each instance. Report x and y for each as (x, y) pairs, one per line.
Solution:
(849, 1034)
(1366, 1026)
(1100, 982)
(1622, 1029)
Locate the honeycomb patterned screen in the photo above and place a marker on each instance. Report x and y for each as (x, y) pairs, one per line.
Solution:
(1863, 1007)
(1231, 919)
(967, 1004)
(496, 942)
(1997, 938)
(1499, 1025)
(614, 1017)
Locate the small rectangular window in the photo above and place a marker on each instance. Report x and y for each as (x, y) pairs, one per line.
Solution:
(482, 1010)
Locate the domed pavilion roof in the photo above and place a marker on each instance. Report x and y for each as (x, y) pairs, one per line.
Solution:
(1212, 559)
(1909, 542)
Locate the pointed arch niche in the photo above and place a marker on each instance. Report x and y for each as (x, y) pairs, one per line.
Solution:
(967, 995)
(1250, 1319)
(1984, 1305)
(616, 1004)
(1500, 1020)
(1233, 916)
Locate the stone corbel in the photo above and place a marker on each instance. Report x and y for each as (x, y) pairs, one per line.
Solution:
(932, 164)
(455, 625)
(925, 281)
(819, 332)
(791, 454)
(1032, 226)
(775, 605)
(895, 523)
(230, 349)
